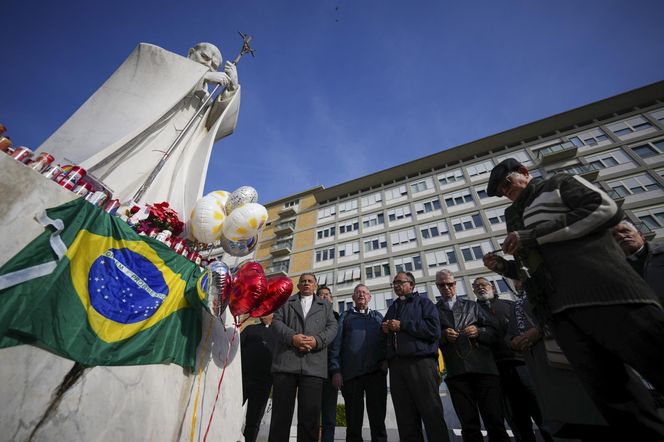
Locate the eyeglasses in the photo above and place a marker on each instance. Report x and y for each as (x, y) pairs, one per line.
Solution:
(399, 283)
(481, 284)
(449, 285)
(507, 182)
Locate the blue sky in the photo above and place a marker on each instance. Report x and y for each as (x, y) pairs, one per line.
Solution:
(339, 88)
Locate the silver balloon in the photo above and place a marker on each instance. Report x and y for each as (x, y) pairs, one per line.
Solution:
(219, 287)
(242, 247)
(241, 196)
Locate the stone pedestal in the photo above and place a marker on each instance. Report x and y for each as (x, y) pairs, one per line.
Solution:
(137, 403)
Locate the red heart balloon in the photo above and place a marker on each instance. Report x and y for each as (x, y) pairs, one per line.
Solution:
(248, 288)
(279, 289)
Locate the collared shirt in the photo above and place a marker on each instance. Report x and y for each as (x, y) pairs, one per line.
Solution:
(364, 312)
(306, 304)
(450, 302)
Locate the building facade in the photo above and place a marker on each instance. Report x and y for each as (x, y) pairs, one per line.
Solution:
(434, 212)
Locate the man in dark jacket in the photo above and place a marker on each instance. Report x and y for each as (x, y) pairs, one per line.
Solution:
(257, 342)
(413, 330)
(472, 376)
(519, 399)
(358, 367)
(647, 258)
(328, 406)
(602, 313)
(304, 327)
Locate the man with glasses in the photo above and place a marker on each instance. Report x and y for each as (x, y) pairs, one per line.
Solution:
(472, 376)
(304, 326)
(358, 366)
(602, 314)
(413, 330)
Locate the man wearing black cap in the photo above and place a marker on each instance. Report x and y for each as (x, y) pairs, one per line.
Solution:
(602, 313)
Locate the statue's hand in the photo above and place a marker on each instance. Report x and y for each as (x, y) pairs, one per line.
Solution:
(218, 77)
(231, 70)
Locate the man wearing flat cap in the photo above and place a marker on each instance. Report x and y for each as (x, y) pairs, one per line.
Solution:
(601, 312)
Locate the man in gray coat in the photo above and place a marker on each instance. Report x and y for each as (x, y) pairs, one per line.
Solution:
(305, 326)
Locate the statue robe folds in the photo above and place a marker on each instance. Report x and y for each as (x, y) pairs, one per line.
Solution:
(122, 131)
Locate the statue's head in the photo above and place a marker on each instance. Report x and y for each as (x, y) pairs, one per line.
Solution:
(207, 54)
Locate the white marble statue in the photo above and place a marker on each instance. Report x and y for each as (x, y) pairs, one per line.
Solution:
(123, 130)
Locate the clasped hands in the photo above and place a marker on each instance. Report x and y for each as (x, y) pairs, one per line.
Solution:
(525, 340)
(452, 335)
(227, 79)
(391, 325)
(304, 343)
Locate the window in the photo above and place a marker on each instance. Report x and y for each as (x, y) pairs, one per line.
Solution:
(325, 254)
(375, 243)
(326, 278)
(399, 213)
(347, 206)
(520, 155)
(457, 198)
(403, 236)
(634, 184)
(408, 263)
(434, 230)
(348, 275)
(395, 192)
(421, 185)
(649, 149)
(377, 270)
(325, 232)
(495, 216)
(451, 177)
(475, 252)
(279, 266)
(427, 206)
(467, 222)
(629, 126)
(660, 172)
(292, 203)
(326, 212)
(373, 220)
(652, 217)
(379, 300)
(349, 249)
(441, 258)
(608, 159)
(591, 137)
(283, 243)
(371, 199)
(658, 115)
(479, 169)
(481, 193)
(352, 225)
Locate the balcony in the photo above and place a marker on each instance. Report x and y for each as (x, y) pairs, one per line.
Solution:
(646, 231)
(284, 228)
(557, 152)
(277, 270)
(587, 171)
(615, 196)
(281, 249)
(288, 212)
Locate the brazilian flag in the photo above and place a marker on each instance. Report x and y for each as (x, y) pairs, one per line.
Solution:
(92, 290)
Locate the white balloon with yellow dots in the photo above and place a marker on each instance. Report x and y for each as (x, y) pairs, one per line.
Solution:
(220, 195)
(207, 219)
(245, 222)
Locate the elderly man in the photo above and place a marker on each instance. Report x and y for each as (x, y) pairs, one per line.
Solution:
(647, 258)
(472, 376)
(413, 330)
(358, 367)
(304, 326)
(602, 314)
(330, 393)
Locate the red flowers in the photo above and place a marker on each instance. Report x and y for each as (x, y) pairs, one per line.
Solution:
(161, 217)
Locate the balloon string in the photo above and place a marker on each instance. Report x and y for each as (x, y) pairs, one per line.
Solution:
(198, 387)
(223, 372)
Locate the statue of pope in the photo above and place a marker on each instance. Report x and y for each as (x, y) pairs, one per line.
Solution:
(123, 130)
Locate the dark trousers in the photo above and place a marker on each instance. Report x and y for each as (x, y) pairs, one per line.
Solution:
(521, 402)
(374, 385)
(255, 392)
(308, 390)
(414, 388)
(328, 410)
(470, 392)
(599, 341)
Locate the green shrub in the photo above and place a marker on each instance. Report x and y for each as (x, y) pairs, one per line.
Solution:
(341, 415)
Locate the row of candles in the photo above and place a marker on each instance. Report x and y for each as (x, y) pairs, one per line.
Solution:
(73, 178)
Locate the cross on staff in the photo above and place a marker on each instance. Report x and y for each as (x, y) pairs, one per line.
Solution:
(246, 49)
